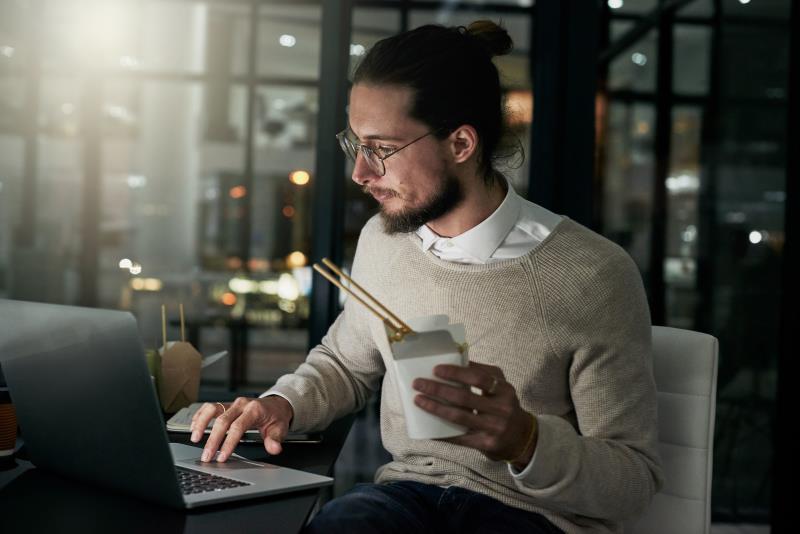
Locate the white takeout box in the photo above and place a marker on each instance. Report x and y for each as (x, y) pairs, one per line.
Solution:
(435, 342)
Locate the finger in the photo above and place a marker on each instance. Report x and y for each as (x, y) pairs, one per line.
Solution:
(274, 436)
(453, 414)
(461, 397)
(490, 369)
(471, 376)
(218, 432)
(201, 418)
(236, 430)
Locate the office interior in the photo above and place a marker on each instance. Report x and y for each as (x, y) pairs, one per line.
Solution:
(168, 152)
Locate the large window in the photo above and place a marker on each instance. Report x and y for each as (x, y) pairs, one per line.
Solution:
(721, 106)
(162, 152)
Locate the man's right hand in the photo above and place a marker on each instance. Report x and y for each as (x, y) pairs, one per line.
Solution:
(270, 415)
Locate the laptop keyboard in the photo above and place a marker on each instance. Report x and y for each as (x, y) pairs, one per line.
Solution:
(192, 482)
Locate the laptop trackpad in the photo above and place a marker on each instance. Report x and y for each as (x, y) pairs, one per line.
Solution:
(231, 464)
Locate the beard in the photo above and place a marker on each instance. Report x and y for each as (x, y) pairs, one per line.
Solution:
(447, 196)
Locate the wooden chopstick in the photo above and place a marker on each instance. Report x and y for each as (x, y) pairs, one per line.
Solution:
(398, 327)
(332, 266)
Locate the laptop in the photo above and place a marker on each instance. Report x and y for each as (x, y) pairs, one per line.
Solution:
(88, 410)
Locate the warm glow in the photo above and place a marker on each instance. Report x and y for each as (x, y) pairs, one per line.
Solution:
(243, 285)
(239, 191)
(228, 299)
(296, 259)
(288, 212)
(234, 263)
(270, 287)
(146, 284)
(300, 177)
(520, 106)
(287, 287)
(258, 264)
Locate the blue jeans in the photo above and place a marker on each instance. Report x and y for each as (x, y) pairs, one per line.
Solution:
(416, 508)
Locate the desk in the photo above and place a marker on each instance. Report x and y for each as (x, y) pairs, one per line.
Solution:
(32, 500)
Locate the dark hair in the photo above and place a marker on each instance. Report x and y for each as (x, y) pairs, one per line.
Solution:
(453, 78)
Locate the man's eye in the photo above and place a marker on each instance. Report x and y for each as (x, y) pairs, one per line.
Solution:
(386, 149)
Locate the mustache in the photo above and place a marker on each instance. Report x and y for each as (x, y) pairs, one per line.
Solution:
(371, 190)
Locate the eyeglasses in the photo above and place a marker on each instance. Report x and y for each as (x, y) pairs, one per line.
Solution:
(375, 157)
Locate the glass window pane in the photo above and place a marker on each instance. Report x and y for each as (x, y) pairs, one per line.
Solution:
(370, 25)
(160, 35)
(690, 60)
(775, 9)
(628, 178)
(636, 7)
(154, 194)
(697, 8)
(188, 37)
(51, 267)
(683, 187)
(634, 69)
(280, 239)
(13, 21)
(763, 59)
(289, 41)
(12, 103)
(12, 153)
(88, 34)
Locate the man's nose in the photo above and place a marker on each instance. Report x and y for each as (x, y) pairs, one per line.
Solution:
(362, 172)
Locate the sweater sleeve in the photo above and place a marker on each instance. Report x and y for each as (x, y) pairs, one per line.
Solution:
(341, 373)
(605, 464)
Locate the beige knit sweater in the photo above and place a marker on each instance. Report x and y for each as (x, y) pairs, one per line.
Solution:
(569, 326)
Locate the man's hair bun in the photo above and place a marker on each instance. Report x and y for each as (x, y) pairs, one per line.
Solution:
(493, 37)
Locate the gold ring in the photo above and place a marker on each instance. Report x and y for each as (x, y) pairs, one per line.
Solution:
(493, 387)
(224, 409)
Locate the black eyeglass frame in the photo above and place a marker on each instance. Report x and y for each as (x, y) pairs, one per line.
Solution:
(351, 149)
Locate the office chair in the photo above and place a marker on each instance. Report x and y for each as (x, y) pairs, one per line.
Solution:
(685, 369)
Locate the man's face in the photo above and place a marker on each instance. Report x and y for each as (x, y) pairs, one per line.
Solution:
(419, 185)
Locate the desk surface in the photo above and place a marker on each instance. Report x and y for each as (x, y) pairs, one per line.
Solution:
(32, 500)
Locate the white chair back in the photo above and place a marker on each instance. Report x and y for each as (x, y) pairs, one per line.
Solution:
(685, 369)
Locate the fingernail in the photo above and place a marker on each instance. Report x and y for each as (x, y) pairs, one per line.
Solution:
(221, 457)
(206, 456)
(195, 437)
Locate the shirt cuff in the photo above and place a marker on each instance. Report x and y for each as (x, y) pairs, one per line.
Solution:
(270, 392)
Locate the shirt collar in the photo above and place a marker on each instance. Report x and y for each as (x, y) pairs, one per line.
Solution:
(482, 240)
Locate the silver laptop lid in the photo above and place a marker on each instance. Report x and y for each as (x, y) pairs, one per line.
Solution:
(85, 402)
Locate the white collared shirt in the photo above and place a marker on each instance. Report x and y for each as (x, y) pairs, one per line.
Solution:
(515, 228)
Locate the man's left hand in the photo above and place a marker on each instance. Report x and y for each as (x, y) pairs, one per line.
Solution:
(496, 423)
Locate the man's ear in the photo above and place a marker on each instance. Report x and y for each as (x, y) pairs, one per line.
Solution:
(463, 143)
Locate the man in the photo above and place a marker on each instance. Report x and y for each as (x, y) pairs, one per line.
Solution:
(563, 437)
